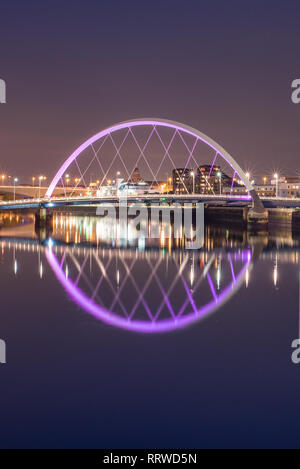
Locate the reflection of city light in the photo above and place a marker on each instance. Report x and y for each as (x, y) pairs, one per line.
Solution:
(15, 266)
(219, 277)
(162, 238)
(141, 244)
(50, 243)
(192, 275)
(41, 270)
(275, 276)
(275, 271)
(247, 278)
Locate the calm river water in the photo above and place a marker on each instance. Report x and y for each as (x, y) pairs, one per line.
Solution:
(125, 343)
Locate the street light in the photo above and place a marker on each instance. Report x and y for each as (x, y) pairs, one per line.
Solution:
(33, 179)
(15, 180)
(3, 178)
(219, 174)
(67, 178)
(40, 180)
(276, 181)
(193, 176)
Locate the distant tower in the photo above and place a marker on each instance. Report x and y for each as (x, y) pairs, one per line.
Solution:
(136, 177)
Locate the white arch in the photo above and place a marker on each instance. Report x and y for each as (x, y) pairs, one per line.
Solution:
(157, 122)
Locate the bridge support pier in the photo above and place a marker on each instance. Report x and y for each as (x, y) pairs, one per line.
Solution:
(43, 219)
(258, 216)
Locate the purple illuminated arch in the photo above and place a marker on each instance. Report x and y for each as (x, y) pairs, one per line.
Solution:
(157, 123)
(163, 325)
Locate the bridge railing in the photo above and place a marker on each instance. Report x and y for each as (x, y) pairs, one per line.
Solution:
(130, 196)
(140, 197)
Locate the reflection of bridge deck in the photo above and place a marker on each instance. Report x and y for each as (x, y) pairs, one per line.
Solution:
(24, 243)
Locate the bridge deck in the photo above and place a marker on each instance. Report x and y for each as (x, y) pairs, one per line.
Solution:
(268, 202)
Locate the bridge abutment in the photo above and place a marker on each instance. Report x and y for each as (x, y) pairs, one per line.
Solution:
(257, 216)
(257, 219)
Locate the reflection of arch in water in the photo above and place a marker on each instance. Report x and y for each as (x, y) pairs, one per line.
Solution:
(154, 324)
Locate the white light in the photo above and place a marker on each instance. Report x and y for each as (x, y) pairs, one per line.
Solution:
(275, 276)
(247, 278)
(219, 277)
(50, 243)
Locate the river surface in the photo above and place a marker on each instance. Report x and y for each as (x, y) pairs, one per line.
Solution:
(128, 343)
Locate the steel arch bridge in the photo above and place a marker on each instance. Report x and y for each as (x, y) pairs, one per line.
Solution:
(189, 138)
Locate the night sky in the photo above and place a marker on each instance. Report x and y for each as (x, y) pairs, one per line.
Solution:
(74, 67)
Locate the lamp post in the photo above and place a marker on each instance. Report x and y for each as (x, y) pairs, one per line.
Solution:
(3, 179)
(33, 179)
(40, 181)
(118, 174)
(15, 180)
(219, 174)
(276, 181)
(193, 176)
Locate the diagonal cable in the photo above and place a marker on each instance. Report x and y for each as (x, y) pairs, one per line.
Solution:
(142, 150)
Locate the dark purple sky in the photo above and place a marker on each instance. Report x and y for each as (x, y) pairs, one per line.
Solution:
(73, 68)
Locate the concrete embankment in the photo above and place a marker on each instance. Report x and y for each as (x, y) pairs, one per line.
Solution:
(282, 217)
(285, 218)
(296, 220)
(219, 214)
